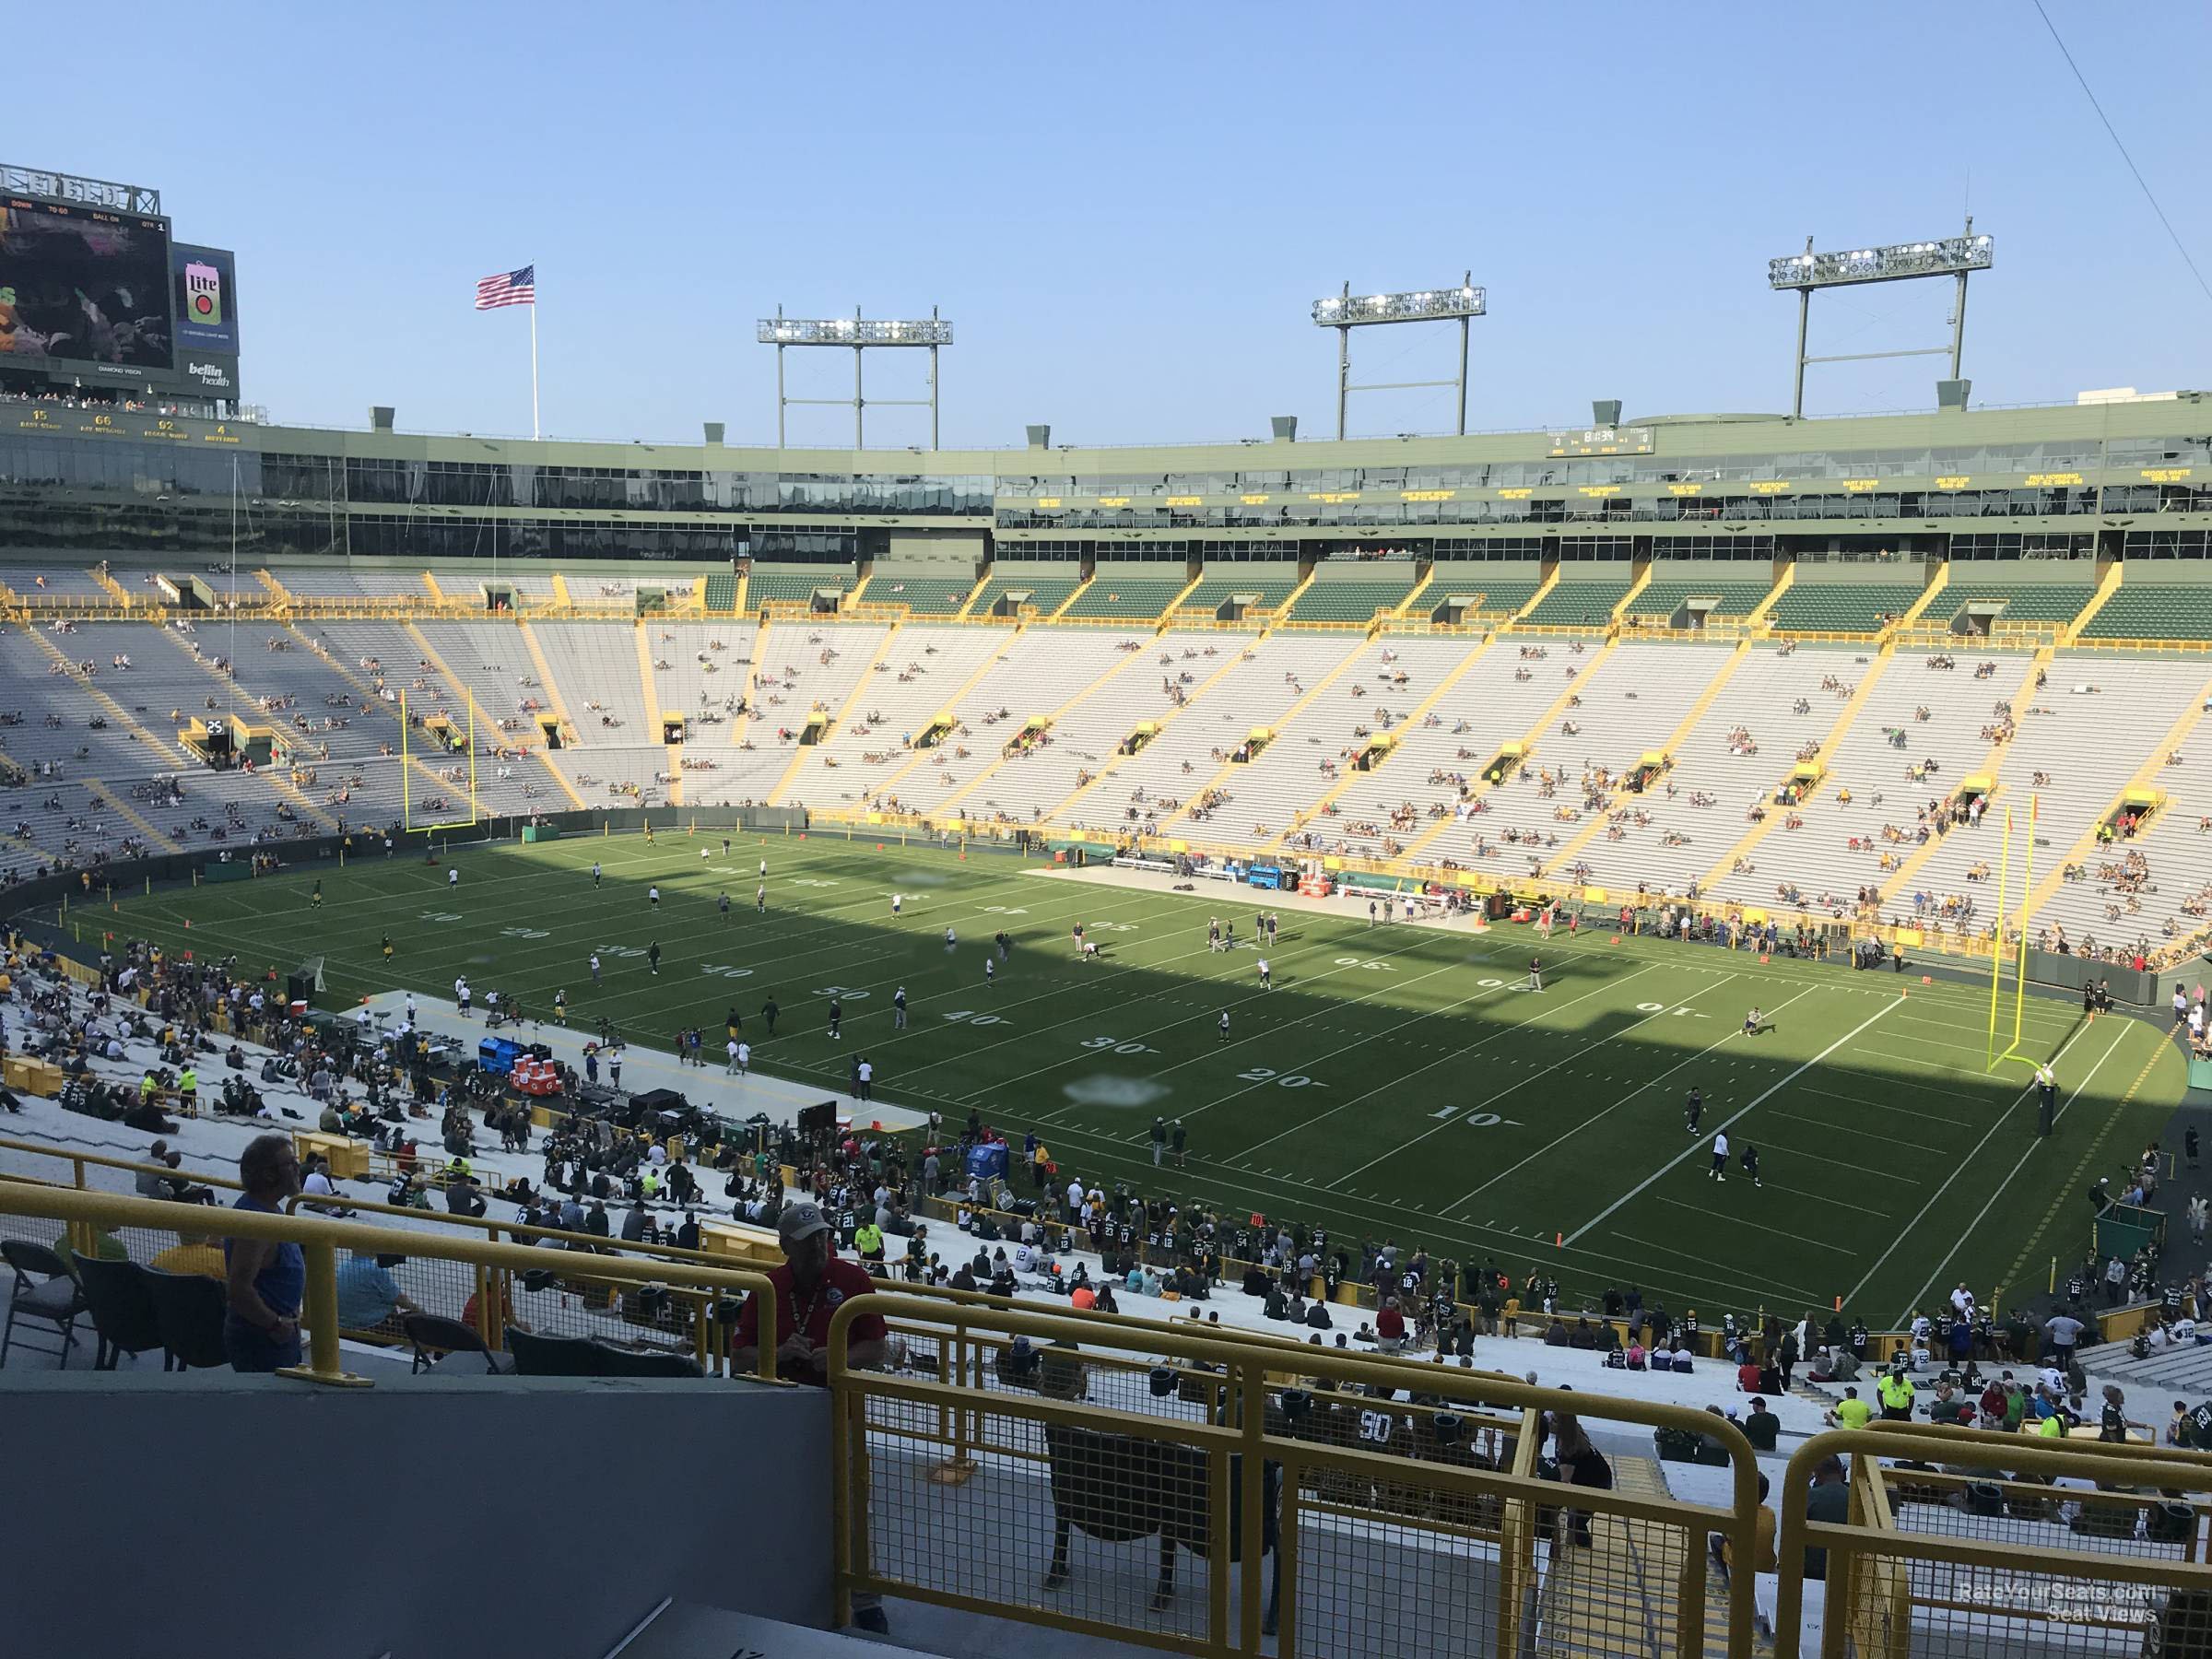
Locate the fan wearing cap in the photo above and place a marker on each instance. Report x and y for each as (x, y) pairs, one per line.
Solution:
(810, 1286)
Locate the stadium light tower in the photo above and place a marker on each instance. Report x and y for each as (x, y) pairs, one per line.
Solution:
(1461, 304)
(1952, 256)
(852, 332)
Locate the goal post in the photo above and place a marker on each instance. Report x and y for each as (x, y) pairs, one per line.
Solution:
(406, 776)
(1999, 951)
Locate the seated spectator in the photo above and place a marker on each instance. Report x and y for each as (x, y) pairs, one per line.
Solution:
(193, 1253)
(369, 1298)
(1582, 1337)
(1830, 1501)
(1390, 1327)
(1747, 1377)
(1317, 1316)
(152, 1184)
(1082, 1298)
(321, 1193)
(1555, 1334)
(1682, 1360)
(1636, 1354)
(1763, 1541)
(462, 1198)
(504, 1309)
(1762, 1427)
(1949, 1406)
(1850, 1412)
(106, 1247)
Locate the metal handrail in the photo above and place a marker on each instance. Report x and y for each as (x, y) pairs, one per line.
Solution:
(320, 1239)
(1243, 1370)
(1874, 1537)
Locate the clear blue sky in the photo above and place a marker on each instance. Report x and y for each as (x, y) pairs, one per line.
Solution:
(1127, 211)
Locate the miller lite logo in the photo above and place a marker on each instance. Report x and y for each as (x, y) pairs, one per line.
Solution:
(203, 293)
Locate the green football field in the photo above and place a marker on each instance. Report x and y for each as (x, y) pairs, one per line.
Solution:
(1396, 1082)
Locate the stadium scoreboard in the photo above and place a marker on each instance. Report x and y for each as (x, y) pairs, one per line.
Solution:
(96, 292)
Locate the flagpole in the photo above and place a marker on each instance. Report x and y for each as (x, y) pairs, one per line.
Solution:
(533, 428)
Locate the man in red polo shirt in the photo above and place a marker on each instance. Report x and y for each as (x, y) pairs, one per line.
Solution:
(810, 1286)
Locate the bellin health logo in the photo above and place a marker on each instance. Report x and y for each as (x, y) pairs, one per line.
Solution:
(204, 292)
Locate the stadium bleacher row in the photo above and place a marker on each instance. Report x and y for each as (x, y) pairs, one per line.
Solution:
(1328, 742)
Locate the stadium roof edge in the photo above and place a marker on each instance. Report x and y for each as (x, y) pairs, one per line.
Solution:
(1695, 433)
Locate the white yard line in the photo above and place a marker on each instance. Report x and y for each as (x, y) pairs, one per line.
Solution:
(1560, 1139)
(1452, 1054)
(1697, 1147)
(1932, 1117)
(2118, 1037)
(1795, 1291)
(1995, 1123)
(1711, 1214)
(1834, 1128)
(1826, 1198)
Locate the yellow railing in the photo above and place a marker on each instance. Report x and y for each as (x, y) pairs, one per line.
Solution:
(572, 1274)
(2159, 645)
(1989, 1555)
(1363, 1526)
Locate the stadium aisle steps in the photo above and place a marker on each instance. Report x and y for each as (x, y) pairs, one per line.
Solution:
(1993, 763)
(2094, 748)
(1619, 1595)
(1313, 815)
(1618, 795)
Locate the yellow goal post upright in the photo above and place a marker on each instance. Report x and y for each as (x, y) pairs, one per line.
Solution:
(1998, 952)
(407, 797)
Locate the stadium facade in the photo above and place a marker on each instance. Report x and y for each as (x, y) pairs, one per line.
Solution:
(2123, 479)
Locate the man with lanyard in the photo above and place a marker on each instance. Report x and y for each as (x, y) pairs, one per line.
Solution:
(809, 1288)
(267, 1281)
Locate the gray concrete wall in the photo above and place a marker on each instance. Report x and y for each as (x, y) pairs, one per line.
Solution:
(259, 1519)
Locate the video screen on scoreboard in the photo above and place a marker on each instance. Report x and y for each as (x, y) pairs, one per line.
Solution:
(83, 285)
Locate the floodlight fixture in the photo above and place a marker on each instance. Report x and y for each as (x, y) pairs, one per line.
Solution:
(1459, 302)
(1802, 274)
(1425, 305)
(1953, 256)
(858, 334)
(852, 330)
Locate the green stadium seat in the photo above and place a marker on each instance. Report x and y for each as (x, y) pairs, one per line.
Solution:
(1272, 586)
(722, 590)
(2154, 610)
(1575, 604)
(1498, 596)
(1665, 595)
(924, 595)
(795, 588)
(1050, 593)
(2037, 602)
(1842, 606)
(1348, 601)
(1132, 598)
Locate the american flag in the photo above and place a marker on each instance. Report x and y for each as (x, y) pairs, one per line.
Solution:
(509, 288)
